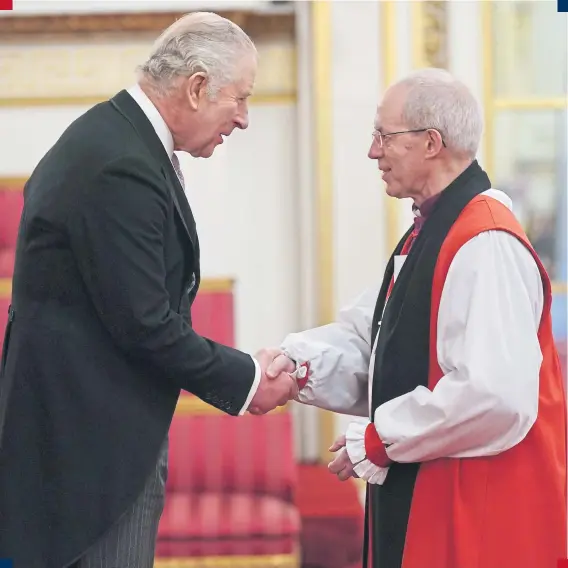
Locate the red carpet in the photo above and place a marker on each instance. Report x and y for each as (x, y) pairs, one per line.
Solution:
(332, 519)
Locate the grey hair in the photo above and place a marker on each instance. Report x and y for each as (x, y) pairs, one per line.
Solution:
(435, 99)
(198, 42)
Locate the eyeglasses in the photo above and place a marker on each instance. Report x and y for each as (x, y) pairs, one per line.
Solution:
(382, 138)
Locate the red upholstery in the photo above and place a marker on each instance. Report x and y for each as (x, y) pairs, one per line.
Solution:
(230, 487)
(212, 314)
(4, 303)
(216, 524)
(249, 454)
(7, 259)
(11, 205)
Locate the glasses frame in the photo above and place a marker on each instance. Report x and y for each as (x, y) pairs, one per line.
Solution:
(380, 137)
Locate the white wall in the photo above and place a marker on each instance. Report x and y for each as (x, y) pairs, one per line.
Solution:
(244, 201)
(27, 133)
(358, 189)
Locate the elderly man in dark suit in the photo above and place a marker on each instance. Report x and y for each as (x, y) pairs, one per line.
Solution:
(99, 341)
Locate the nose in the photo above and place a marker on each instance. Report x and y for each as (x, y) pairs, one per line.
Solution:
(375, 151)
(242, 119)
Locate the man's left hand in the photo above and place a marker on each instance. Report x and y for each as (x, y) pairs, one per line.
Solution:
(341, 465)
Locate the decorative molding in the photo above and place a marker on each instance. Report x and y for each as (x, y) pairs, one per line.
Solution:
(12, 183)
(557, 103)
(209, 285)
(5, 287)
(256, 24)
(95, 68)
(194, 406)
(217, 285)
(268, 561)
(273, 99)
(436, 34)
(430, 34)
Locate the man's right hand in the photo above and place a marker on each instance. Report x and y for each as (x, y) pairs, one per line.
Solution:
(272, 391)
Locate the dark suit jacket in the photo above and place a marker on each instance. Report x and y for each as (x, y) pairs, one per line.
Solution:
(99, 344)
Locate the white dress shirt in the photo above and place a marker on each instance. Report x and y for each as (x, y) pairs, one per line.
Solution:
(487, 347)
(167, 140)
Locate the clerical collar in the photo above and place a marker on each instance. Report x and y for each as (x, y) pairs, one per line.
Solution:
(421, 213)
(426, 208)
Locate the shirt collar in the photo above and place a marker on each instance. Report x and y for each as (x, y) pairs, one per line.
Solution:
(155, 118)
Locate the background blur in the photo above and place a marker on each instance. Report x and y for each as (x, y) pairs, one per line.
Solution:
(292, 215)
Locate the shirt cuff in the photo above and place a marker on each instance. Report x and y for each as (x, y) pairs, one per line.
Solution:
(375, 448)
(254, 388)
(362, 466)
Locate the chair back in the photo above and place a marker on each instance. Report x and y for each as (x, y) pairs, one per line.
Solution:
(221, 453)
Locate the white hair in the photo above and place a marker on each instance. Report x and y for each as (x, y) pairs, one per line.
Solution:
(198, 42)
(435, 99)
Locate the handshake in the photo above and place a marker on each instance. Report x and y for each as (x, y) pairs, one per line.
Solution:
(276, 386)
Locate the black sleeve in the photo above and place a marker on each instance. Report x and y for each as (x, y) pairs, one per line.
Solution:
(116, 230)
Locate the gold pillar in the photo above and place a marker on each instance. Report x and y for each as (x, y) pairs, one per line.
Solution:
(390, 75)
(323, 115)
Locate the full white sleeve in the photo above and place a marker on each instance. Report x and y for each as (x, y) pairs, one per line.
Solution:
(488, 348)
(338, 355)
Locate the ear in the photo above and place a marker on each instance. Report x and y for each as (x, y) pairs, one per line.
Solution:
(196, 89)
(434, 143)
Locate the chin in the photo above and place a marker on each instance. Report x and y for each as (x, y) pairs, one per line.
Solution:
(391, 191)
(206, 152)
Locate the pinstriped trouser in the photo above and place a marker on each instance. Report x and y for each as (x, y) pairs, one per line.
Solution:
(131, 542)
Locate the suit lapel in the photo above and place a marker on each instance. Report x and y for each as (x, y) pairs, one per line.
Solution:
(183, 209)
(128, 107)
(181, 204)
